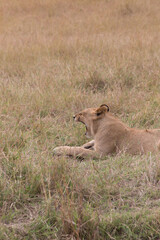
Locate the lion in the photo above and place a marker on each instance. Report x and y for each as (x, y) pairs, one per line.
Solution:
(110, 135)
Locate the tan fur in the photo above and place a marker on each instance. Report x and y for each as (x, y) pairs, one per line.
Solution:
(111, 136)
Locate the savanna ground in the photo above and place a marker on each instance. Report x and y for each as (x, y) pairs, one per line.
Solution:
(56, 58)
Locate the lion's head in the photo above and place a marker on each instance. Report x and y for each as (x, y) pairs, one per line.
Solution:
(90, 118)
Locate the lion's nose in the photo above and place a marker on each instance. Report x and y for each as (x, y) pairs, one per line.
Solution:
(74, 117)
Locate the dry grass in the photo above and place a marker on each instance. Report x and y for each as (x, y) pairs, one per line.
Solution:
(56, 58)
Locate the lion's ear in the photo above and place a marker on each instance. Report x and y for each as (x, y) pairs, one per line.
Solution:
(102, 109)
(106, 106)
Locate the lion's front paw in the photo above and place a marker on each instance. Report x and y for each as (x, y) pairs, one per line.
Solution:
(58, 151)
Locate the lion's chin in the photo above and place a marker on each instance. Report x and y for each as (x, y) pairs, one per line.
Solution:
(87, 132)
(87, 136)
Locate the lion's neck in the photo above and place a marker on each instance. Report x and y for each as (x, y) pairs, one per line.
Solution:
(100, 127)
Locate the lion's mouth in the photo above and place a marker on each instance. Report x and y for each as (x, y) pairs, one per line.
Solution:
(79, 120)
(85, 127)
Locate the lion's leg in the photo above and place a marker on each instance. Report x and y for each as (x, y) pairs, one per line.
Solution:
(89, 145)
(75, 152)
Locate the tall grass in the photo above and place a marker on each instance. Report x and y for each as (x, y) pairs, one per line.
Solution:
(58, 57)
